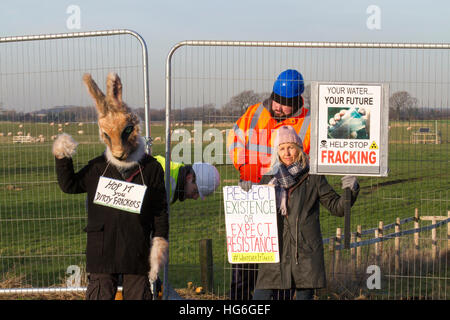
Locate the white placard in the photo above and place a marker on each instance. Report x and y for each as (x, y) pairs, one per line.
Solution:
(120, 195)
(251, 224)
(350, 125)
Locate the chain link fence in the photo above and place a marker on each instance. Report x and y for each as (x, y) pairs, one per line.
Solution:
(42, 245)
(210, 84)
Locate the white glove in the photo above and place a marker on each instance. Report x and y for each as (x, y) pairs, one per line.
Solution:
(245, 185)
(158, 256)
(64, 146)
(350, 182)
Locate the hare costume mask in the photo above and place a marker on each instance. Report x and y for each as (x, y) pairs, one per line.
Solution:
(118, 125)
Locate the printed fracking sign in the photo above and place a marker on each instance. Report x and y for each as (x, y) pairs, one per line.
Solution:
(349, 129)
(251, 224)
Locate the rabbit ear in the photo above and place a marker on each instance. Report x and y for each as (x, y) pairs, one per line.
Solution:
(114, 89)
(96, 93)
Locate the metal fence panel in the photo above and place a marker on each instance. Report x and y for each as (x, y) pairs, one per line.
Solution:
(41, 95)
(209, 84)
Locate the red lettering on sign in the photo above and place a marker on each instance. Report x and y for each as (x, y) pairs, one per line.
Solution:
(348, 157)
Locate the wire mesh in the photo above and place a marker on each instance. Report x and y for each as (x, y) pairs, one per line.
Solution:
(41, 95)
(212, 83)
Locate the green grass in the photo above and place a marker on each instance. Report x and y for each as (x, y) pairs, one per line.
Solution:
(41, 227)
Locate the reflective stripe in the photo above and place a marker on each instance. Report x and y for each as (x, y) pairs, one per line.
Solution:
(254, 122)
(250, 147)
(234, 145)
(238, 132)
(305, 125)
(259, 148)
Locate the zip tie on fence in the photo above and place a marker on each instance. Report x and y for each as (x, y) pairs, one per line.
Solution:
(393, 235)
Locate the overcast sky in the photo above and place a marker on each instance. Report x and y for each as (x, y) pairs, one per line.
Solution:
(162, 24)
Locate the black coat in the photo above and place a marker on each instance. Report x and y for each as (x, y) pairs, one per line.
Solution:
(118, 241)
(300, 239)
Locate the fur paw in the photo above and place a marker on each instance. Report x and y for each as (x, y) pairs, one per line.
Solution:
(64, 146)
(158, 256)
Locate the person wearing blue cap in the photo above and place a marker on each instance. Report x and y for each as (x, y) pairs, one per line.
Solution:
(249, 145)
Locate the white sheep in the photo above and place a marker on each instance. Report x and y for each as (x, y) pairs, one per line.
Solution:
(80, 132)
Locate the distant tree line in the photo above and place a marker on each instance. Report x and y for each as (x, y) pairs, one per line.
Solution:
(402, 106)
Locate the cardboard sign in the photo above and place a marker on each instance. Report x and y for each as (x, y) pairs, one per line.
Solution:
(349, 129)
(251, 224)
(120, 195)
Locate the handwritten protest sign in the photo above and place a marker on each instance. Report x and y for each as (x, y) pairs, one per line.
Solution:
(120, 195)
(251, 224)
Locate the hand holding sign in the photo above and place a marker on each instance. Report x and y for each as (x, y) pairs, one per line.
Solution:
(353, 123)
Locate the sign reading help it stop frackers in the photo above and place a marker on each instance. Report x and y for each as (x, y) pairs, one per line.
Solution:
(251, 224)
(349, 129)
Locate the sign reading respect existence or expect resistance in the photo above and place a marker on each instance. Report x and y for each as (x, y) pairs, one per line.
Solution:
(251, 224)
(349, 129)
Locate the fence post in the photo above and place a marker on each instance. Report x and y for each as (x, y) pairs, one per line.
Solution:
(352, 252)
(433, 241)
(380, 227)
(206, 264)
(397, 245)
(358, 249)
(338, 243)
(448, 232)
(416, 234)
(331, 249)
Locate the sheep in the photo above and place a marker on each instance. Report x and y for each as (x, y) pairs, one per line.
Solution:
(157, 139)
(80, 132)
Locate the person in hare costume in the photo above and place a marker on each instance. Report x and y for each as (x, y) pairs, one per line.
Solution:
(132, 246)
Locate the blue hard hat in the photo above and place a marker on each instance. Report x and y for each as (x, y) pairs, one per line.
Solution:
(289, 84)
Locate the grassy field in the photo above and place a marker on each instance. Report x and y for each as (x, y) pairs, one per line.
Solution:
(41, 227)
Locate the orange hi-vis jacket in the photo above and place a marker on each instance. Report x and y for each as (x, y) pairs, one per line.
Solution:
(249, 143)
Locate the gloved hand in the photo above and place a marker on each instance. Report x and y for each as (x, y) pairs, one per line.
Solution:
(350, 182)
(250, 172)
(158, 256)
(245, 185)
(64, 146)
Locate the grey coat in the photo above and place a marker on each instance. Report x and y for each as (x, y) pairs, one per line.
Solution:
(300, 239)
